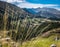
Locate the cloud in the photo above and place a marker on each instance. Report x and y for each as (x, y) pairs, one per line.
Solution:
(25, 4)
(11, 1)
(31, 5)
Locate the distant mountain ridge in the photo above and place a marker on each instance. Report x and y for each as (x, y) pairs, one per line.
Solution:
(50, 13)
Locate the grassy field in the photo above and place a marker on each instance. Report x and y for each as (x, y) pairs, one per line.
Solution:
(38, 42)
(41, 42)
(27, 30)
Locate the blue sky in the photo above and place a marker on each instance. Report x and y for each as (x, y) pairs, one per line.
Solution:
(35, 3)
(44, 1)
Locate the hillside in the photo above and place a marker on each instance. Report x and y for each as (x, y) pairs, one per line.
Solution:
(20, 28)
(44, 12)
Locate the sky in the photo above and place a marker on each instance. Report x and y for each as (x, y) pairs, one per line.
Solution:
(35, 3)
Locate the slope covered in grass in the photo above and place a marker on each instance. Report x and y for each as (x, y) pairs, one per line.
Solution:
(41, 42)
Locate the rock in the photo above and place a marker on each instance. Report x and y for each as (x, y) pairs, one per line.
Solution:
(53, 45)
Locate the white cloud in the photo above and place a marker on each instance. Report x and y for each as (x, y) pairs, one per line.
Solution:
(25, 4)
(31, 5)
(11, 1)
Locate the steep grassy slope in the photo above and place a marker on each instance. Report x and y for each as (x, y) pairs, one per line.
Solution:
(27, 29)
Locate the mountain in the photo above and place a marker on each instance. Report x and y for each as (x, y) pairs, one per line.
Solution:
(44, 12)
(17, 10)
(32, 10)
(29, 10)
(49, 13)
(12, 13)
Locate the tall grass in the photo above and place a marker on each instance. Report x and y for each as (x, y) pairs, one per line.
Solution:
(41, 42)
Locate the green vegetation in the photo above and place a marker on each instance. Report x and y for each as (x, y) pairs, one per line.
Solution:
(41, 42)
(27, 29)
(38, 42)
(23, 31)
